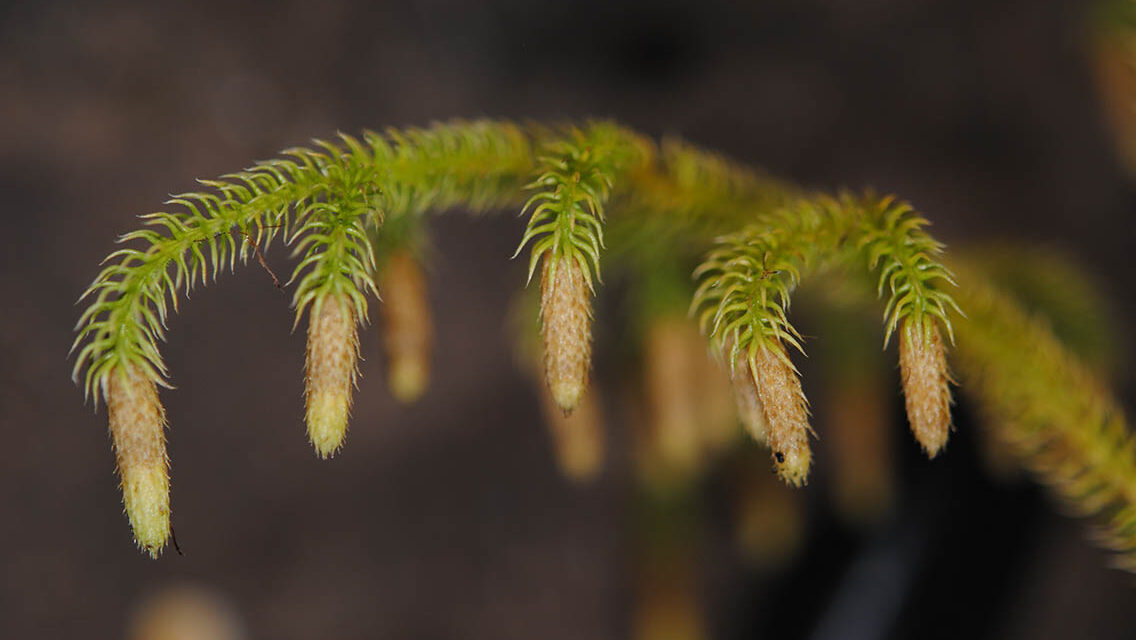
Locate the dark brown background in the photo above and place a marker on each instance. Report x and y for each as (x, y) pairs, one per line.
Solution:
(448, 520)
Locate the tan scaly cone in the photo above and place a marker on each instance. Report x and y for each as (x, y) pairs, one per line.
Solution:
(713, 395)
(332, 353)
(748, 402)
(565, 311)
(137, 427)
(786, 412)
(926, 386)
(669, 366)
(578, 436)
(407, 326)
(861, 458)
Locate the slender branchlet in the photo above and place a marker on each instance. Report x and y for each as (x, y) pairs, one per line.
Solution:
(742, 304)
(566, 318)
(705, 180)
(746, 281)
(332, 282)
(333, 348)
(576, 175)
(578, 437)
(743, 297)
(407, 326)
(1046, 282)
(1052, 410)
(481, 165)
(891, 235)
(926, 384)
(337, 255)
(691, 198)
(137, 427)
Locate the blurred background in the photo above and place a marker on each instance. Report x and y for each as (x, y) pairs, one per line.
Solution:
(449, 519)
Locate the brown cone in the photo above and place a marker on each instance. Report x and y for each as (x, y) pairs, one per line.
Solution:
(926, 386)
(565, 310)
(786, 413)
(137, 427)
(407, 327)
(332, 353)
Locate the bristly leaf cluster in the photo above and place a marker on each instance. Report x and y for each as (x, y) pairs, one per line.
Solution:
(479, 165)
(576, 176)
(906, 257)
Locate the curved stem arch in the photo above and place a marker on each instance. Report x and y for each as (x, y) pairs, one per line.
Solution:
(592, 191)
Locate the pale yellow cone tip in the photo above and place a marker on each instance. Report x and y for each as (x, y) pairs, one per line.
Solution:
(332, 353)
(137, 426)
(327, 422)
(146, 496)
(926, 386)
(408, 379)
(567, 394)
(793, 465)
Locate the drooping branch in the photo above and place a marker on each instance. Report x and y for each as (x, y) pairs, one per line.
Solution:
(1051, 409)
(348, 207)
(575, 182)
(480, 165)
(746, 286)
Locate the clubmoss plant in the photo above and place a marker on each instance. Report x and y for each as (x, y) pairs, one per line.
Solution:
(354, 211)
